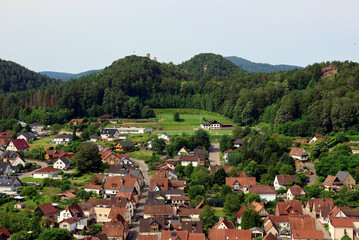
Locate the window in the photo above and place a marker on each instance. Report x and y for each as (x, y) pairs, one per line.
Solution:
(105, 215)
(100, 215)
(64, 225)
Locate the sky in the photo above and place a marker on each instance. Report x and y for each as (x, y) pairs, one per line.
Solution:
(79, 35)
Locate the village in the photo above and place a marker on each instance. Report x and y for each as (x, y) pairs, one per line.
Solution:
(195, 193)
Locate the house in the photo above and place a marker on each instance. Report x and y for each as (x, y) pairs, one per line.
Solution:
(27, 136)
(54, 154)
(19, 206)
(338, 227)
(258, 207)
(119, 169)
(153, 225)
(109, 134)
(66, 196)
(315, 205)
(240, 183)
(36, 127)
(48, 210)
(265, 192)
(9, 184)
(113, 158)
(324, 214)
(76, 122)
(148, 237)
(62, 139)
(47, 172)
(281, 181)
(223, 223)
(164, 136)
(18, 145)
(189, 159)
(95, 138)
(304, 228)
(120, 211)
(317, 137)
(229, 234)
(289, 207)
(227, 153)
(5, 169)
(179, 200)
(270, 236)
(299, 153)
(152, 211)
(158, 184)
(295, 192)
(183, 151)
(238, 143)
(134, 130)
(18, 160)
(300, 140)
(74, 210)
(213, 124)
(62, 163)
(113, 184)
(73, 224)
(4, 234)
(170, 174)
(202, 154)
(332, 183)
(97, 237)
(346, 178)
(344, 212)
(122, 136)
(124, 146)
(116, 229)
(181, 235)
(93, 188)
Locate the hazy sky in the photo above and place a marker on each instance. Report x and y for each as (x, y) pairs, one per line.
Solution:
(74, 36)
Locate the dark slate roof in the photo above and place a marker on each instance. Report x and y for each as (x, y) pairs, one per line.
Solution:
(342, 175)
(64, 160)
(119, 169)
(201, 153)
(136, 173)
(145, 224)
(27, 134)
(192, 226)
(163, 193)
(126, 144)
(111, 131)
(3, 166)
(12, 155)
(7, 181)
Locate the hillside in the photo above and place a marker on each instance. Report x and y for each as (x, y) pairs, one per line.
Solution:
(14, 77)
(209, 64)
(320, 98)
(67, 76)
(260, 67)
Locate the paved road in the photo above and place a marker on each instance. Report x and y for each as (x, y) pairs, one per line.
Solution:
(312, 178)
(214, 154)
(144, 169)
(318, 225)
(29, 174)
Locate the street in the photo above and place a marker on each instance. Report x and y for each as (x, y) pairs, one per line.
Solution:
(29, 174)
(312, 178)
(214, 154)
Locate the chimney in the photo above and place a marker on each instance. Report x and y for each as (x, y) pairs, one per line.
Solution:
(148, 55)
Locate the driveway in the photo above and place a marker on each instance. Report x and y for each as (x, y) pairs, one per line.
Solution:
(29, 174)
(214, 154)
(312, 178)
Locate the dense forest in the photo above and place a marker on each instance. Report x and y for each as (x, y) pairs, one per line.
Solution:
(14, 77)
(67, 76)
(320, 98)
(260, 67)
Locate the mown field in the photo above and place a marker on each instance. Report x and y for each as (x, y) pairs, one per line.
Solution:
(45, 142)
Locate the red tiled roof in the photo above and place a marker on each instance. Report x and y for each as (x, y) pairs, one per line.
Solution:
(20, 144)
(296, 190)
(157, 209)
(307, 234)
(302, 223)
(148, 237)
(320, 136)
(223, 220)
(92, 186)
(48, 209)
(229, 234)
(301, 140)
(192, 158)
(261, 189)
(5, 231)
(46, 170)
(330, 180)
(296, 151)
(188, 211)
(240, 211)
(286, 179)
(282, 208)
(161, 182)
(270, 236)
(160, 174)
(343, 222)
(243, 181)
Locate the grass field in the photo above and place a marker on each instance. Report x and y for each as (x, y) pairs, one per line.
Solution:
(45, 142)
(141, 155)
(30, 179)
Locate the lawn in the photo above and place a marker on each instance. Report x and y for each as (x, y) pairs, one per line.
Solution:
(30, 179)
(190, 119)
(45, 142)
(82, 180)
(353, 137)
(218, 211)
(141, 155)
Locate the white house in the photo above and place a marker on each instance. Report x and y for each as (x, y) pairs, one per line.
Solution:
(265, 192)
(189, 159)
(164, 136)
(18, 145)
(19, 160)
(23, 124)
(317, 137)
(73, 224)
(213, 124)
(47, 172)
(62, 163)
(183, 151)
(27, 136)
(109, 134)
(299, 153)
(62, 139)
(35, 127)
(93, 188)
(295, 192)
(126, 130)
(9, 184)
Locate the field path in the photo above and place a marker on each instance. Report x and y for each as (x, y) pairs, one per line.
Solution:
(214, 154)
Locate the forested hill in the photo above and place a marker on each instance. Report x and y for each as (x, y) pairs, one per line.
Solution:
(260, 67)
(14, 77)
(211, 65)
(320, 98)
(67, 76)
